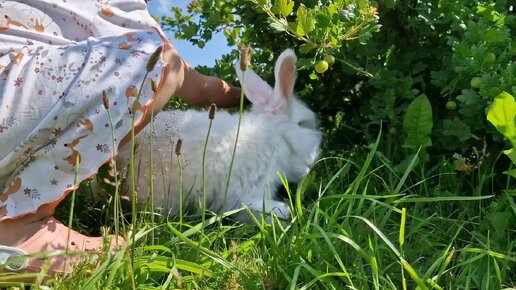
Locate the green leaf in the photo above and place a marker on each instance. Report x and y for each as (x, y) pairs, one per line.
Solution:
(471, 103)
(278, 24)
(284, 7)
(304, 63)
(501, 114)
(511, 172)
(306, 48)
(332, 9)
(494, 35)
(304, 22)
(190, 30)
(418, 123)
(456, 128)
(500, 221)
(468, 97)
(511, 154)
(264, 3)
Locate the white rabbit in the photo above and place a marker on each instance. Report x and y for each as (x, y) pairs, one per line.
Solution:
(278, 135)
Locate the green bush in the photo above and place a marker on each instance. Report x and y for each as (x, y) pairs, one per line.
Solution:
(457, 55)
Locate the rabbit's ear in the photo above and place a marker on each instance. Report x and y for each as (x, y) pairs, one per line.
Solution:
(258, 91)
(285, 74)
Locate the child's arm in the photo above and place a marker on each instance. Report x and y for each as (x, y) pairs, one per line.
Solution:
(202, 90)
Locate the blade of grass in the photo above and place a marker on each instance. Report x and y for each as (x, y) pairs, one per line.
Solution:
(294, 278)
(333, 250)
(489, 253)
(442, 198)
(401, 239)
(407, 171)
(393, 248)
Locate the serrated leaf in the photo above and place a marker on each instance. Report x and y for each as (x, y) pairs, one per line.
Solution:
(456, 128)
(331, 9)
(304, 63)
(501, 114)
(264, 3)
(284, 7)
(278, 24)
(306, 48)
(190, 30)
(304, 22)
(471, 103)
(500, 221)
(468, 97)
(417, 123)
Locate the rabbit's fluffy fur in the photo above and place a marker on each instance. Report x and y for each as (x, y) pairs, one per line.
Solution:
(278, 135)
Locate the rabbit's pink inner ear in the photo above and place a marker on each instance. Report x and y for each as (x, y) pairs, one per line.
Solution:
(256, 89)
(287, 76)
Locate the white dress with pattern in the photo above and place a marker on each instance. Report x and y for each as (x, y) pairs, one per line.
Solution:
(57, 60)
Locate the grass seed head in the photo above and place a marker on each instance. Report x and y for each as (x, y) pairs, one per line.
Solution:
(105, 99)
(212, 111)
(245, 56)
(178, 146)
(154, 59)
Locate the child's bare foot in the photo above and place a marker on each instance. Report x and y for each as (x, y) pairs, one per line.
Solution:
(42, 236)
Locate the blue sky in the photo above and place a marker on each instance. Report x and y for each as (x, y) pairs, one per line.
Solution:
(192, 54)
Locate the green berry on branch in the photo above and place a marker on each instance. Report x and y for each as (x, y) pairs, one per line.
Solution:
(476, 82)
(489, 57)
(330, 59)
(321, 66)
(451, 105)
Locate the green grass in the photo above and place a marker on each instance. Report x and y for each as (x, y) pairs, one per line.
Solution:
(357, 225)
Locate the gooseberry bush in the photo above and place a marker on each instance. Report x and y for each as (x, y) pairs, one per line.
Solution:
(422, 72)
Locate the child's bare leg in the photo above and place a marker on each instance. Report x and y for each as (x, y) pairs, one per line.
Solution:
(18, 230)
(40, 233)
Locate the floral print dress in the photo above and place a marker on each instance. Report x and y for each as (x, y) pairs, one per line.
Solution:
(58, 60)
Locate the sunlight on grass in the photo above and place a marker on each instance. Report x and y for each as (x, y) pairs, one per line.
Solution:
(347, 215)
(330, 242)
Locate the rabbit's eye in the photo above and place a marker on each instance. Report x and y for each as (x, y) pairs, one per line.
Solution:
(307, 124)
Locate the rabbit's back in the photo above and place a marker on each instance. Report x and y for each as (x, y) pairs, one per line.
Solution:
(253, 171)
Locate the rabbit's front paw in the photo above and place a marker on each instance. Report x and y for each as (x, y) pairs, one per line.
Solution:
(280, 209)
